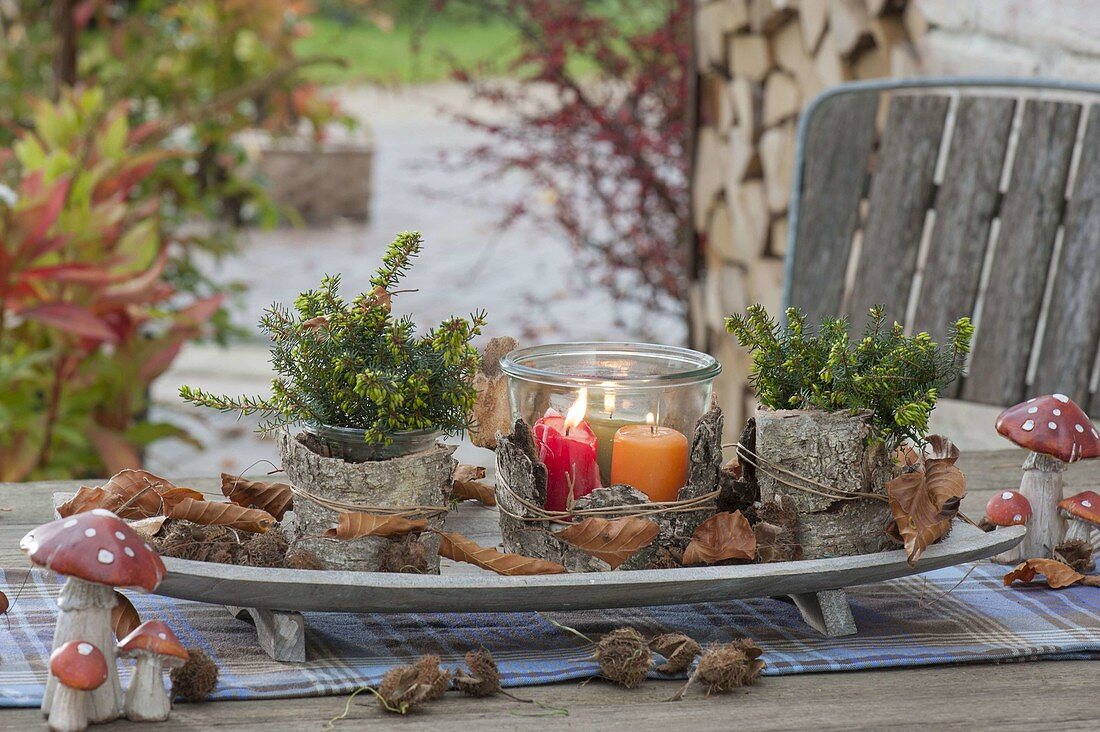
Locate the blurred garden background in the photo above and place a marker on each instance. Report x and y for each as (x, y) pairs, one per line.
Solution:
(580, 169)
(169, 169)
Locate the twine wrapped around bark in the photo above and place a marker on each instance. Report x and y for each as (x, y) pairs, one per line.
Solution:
(538, 514)
(777, 474)
(342, 507)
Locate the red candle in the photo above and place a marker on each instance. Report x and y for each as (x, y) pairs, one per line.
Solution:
(568, 447)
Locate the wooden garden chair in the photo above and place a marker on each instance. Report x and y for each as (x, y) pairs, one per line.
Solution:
(948, 197)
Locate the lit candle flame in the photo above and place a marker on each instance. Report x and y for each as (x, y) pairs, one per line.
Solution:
(649, 419)
(575, 415)
(609, 402)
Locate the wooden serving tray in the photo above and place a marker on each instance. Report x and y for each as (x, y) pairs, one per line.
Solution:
(274, 597)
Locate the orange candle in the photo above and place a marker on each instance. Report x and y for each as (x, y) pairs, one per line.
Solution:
(650, 458)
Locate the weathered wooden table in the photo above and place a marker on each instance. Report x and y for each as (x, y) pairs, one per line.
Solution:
(1014, 696)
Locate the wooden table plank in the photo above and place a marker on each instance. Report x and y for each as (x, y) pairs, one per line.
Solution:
(948, 697)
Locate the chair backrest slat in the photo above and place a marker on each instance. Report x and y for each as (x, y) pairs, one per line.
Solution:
(901, 193)
(1032, 212)
(966, 204)
(1073, 318)
(842, 133)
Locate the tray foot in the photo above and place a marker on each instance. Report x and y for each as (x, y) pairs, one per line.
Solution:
(282, 634)
(827, 612)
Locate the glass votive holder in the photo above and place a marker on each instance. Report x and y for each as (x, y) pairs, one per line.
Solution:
(620, 384)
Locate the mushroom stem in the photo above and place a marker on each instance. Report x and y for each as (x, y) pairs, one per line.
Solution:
(1010, 556)
(1078, 530)
(1042, 486)
(85, 614)
(69, 712)
(146, 700)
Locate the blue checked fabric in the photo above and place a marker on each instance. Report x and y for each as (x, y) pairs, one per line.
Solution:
(956, 615)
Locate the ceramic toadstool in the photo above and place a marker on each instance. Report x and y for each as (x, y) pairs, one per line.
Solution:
(154, 645)
(1057, 432)
(79, 667)
(97, 551)
(1008, 508)
(1082, 511)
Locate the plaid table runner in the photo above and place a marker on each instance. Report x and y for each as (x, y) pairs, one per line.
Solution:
(955, 615)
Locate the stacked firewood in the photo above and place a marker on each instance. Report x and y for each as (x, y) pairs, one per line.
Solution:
(759, 62)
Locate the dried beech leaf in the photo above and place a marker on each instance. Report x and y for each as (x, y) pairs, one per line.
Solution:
(147, 528)
(124, 616)
(131, 494)
(1058, 574)
(275, 498)
(464, 473)
(230, 515)
(492, 410)
(723, 536)
(938, 447)
(472, 490)
(613, 541)
(924, 503)
(678, 649)
(460, 549)
(356, 524)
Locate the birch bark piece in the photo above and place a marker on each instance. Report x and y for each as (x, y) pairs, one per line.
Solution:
(834, 449)
(419, 479)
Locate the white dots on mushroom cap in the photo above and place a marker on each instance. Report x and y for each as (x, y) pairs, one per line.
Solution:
(84, 649)
(1057, 412)
(1032, 410)
(1052, 425)
(120, 536)
(70, 523)
(101, 512)
(105, 557)
(1017, 518)
(89, 532)
(127, 551)
(162, 636)
(1086, 503)
(1061, 397)
(1006, 495)
(1028, 425)
(1079, 428)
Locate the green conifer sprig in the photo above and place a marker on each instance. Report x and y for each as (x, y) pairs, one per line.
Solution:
(353, 364)
(896, 377)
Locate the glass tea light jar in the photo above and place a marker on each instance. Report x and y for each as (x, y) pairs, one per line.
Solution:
(606, 413)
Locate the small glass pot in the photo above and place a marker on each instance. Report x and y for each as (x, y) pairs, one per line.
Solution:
(624, 383)
(350, 445)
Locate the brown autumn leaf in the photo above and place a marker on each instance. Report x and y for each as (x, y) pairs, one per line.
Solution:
(230, 515)
(724, 535)
(275, 498)
(678, 649)
(131, 494)
(925, 502)
(124, 616)
(613, 541)
(465, 486)
(147, 528)
(460, 549)
(356, 524)
(938, 447)
(1058, 574)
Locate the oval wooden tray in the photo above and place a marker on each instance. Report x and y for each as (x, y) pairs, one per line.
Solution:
(458, 588)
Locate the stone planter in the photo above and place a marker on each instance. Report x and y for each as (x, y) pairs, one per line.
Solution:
(835, 449)
(323, 181)
(417, 479)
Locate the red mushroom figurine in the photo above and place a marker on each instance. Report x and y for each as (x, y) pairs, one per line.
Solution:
(1082, 511)
(1008, 508)
(97, 551)
(154, 645)
(79, 667)
(1057, 432)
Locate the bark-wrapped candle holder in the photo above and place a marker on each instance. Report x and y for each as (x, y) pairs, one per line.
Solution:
(806, 455)
(325, 486)
(521, 488)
